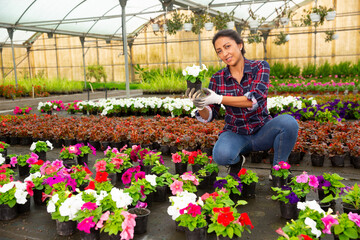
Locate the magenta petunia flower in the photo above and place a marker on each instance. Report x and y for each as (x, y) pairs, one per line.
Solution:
(13, 161)
(86, 224)
(328, 222)
(126, 177)
(276, 167)
(313, 181)
(89, 205)
(139, 175)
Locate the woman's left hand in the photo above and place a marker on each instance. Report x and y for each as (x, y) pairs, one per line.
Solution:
(212, 97)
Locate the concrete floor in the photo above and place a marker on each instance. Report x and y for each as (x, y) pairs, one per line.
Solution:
(264, 212)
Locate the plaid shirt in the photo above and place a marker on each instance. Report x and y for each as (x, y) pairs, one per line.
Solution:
(254, 85)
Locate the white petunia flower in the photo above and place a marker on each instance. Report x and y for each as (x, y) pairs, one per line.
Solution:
(151, 179)
(122, 199)
(312, 224)
(49, 144)
(20, 196)
(33, 146)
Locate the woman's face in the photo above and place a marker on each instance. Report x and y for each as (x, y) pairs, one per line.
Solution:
(228, 50)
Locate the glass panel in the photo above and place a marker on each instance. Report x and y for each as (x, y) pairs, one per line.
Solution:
(10, 10)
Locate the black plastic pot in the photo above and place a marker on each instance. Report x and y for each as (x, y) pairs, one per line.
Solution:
(149, 199)
(147, 169)
(196, 167)
(248, 190)
(208, 151)
(179, 228)
(42, 155)
(4, 153)
(23, 208)
(104, 145)
(173, 149)
(69, 162)
(205, 182)
(24, 170)
(317, 160)
(68, 142)
(278, 181)
(338, 160)
(180, 168)
(82, 160)
(197, 234)
(24, 141)
(7, 213)
(256, 157)
(65, 228)
(355, 161)
(93, 235)
(141, 219)
(196, 85)
(38, 197)
(212, 179)
(288, 211)
(294, 158)
(349, 208)
(58, 143)
(95, 144)
(161, 194)
(227, 238)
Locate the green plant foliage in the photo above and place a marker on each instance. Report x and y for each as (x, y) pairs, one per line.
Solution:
(221, 19)
(254, 38)
(278, 70)
(324, 70)
(342, 69)
(309, 70)
(174, 23)
(280, 39)
(292, 70)
(329, 36)
(97, 72)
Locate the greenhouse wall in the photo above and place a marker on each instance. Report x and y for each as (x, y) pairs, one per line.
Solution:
(61, 56)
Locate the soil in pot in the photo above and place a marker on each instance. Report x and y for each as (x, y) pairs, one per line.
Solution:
(196, 85)
(141, 219)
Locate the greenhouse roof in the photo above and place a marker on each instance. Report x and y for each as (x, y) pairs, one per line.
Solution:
(103, 19)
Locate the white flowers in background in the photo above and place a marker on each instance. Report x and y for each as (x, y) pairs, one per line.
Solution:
(122, 199)
(6, 187)
(151, 179)
(49, 144)
(32, 176)
(311, 205)
(103, 194)
(21, 193)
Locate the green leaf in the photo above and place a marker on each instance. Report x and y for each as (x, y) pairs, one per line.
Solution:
(351, 233)
(230, 232)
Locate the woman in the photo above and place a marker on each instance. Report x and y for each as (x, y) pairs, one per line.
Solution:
(242, 87)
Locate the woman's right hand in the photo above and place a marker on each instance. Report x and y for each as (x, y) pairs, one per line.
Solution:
(196, 98)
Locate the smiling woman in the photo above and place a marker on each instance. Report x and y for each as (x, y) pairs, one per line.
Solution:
(242, 87)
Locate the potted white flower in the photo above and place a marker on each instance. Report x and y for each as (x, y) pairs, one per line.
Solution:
(194, 76)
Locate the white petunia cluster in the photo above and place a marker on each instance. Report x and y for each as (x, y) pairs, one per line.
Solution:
(151, 179)
(122, 199)
(71, 206)
(180, 201)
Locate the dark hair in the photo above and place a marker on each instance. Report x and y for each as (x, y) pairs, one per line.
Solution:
(231, 34)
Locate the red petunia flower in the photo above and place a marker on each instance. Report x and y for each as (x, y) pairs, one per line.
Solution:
(225, 218)
(242, 172)
(101, 176)
(91, 186)
(306, 237)
(245, 220)
(191, 160)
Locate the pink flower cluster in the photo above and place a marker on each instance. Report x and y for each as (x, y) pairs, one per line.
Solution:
(281, 165)
(312, 180)
(19, 110)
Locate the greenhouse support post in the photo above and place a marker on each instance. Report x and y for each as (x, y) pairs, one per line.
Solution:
(82, 40)
(124, 37)
(28, 49)
(11, 34)
(199, 49)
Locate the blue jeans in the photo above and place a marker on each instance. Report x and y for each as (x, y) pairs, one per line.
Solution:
(279, 133)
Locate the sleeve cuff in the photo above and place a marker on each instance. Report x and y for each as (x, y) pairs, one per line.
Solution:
(250, 96)
(198, 117)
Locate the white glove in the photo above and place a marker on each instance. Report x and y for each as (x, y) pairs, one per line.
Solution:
(196, 98)
(212, 97)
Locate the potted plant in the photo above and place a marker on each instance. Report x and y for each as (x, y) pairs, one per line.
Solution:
(221, 20)
(331, 14)
(254, 38)
(194, 76)
(192, 217)
(197, 159)
(227, 223)
(22, 162)
(188, 20)
(83, 152)
(181, 161)
(351, 199)
(280, 173)
(284, 14)
(329, 187)
(282, 38)
(23, 110)
(346, 226)
(186, 182)
(150, 160)
(175, 23)
(68, 155)
(248, 180)
(231, 183)
(40, 148)
(330, 35)
(213, 170)
(337, 153)
(119, 223)
(208, 22)
(288, 198)
(318, 151)
(3, 148)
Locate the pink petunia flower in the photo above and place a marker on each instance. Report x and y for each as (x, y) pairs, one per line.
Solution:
(86, 224)
(176, 158)
(303, 178)
(176, 187)
(139, 175)
(328, 222)
(276, 167)
(355, 218)
(128, 226)
(13, 161)
(100, 166)
(103, 218)
(126, 178)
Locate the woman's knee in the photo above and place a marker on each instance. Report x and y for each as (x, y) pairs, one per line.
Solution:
(223, 156)
(289, 123)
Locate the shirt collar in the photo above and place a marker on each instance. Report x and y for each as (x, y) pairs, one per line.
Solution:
(247, 69)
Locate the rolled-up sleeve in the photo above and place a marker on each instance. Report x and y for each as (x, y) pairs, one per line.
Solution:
(260, 85)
